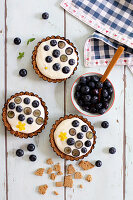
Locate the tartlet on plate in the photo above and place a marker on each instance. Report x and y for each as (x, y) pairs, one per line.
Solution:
(55, 59)
(25, 114)
(72, 137)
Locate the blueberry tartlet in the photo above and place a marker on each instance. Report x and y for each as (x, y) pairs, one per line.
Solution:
(55, 59)
(72, 137)
(25, 114)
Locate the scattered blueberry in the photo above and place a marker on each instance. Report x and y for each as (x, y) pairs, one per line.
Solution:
(85, 89)
(98, 163)
(19, 109)
(112, 150)
(32, 158)
(48, 59)
(23, 72)
(71, 62)
(80, 135)
(75, 123)
(29, 120)
(84, 128)
(17, 40)
(88, 143)
(31, 147)
(56, 53)
(12, 105)
(21, 117)
(65, 70)
(35, 103)
(56, 66)
(84, 150)
(46, 47)
(45, 15)
(83, 80)
(70, 141)
(26, 100)
(53, 43)
(19, 152)
(105, 124)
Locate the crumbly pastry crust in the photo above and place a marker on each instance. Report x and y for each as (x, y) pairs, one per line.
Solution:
(21, 134)
(55, 148)
(34, 54)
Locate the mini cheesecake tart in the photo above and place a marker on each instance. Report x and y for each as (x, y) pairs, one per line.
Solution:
(72, 137)
(55, 59)
(25, 114)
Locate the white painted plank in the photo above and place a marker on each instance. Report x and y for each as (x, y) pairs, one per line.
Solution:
(24, 21)
(108, 180)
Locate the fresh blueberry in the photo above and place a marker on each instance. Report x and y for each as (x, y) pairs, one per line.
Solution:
(99, 85)
(21, 117)
(91, 84)
(84, 128)
(56, 53)
(17, 40)
(107, 84)
(86, 98)
(104, 100)
(71, 62)
(70, 141)
(30, 120)
(48, 59)
(23, 72)
(98, 106)
(19, 109)
(105, 93)
(12, 105)
(83, 150)
(101, 111)
(80, 135)
(86, 108)
(88, 79)
(75, 123)
(85, 89)
(31, 147)
(45, 15)
(105, 105)
(77, 95)
(88, 143)
(53, 43)
(65, 70)
(95, 78)
(26, 100)
(78, 87)
(80, 102)
(112, 150)
(19, 152)
(95, 92)
(56, 66)
(110, 90)
(94, 99)
(46, 47)
(83, 80)
(32, 158)
(92, 109)
(98, 163)
(87, 103)
(35, 103)
(105, 124)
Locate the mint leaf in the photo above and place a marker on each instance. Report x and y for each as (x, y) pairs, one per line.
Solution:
(21, 55)
(30, 40)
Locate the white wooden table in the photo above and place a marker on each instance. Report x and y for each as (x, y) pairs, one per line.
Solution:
(114, 179)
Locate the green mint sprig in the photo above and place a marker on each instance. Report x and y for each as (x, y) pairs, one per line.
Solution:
(21, 55)
(30, 40)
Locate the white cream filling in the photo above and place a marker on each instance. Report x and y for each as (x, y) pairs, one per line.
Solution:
(49, 72)
(65, 126)
(29, 128)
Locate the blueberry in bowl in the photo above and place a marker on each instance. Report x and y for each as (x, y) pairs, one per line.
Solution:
(85, 95)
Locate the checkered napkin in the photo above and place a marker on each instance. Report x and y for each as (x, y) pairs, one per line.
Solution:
(113, 20)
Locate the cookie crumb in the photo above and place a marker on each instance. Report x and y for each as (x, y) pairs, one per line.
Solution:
(56, 193)
(81, 186)
(70, 169)
(89, 178)
(78, 175)
(68, 181)
(49, 171)
(59, 173)
(42, 189)
(57, 167)
(53, 176)
(85, 165)
(49, 161)
(59, 184)
(39, 172)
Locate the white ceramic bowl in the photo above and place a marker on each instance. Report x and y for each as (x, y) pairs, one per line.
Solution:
(78, 107)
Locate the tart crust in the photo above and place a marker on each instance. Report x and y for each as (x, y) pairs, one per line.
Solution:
(21, 134)
(54, 146)
(34, 54)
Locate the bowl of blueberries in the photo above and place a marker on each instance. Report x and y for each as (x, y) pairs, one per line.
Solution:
(85, 95)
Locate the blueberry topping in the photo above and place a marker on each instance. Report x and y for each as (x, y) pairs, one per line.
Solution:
(12, 105)
(30, 120)
(48, 59)
(70, 141)
(56, 53)
(85, 89)
(65, 70)
(32, 158)
(88, 143)
(91, 84)
(105, 124)
(99, 85)
(23, 72)
(35, 103)
(95, 78)
(83, 80)
(101, 111)
(31, 147)
(53, 43)
(26, 100)
(46, 47)
(98, 163)
(80, 135)
(45, 15)
(112, 150)
(83, 150)
(19, 109)
(21, 117)
(56, 66)
(71, 62)
(84, 128)
(75, 123)
(17, 40)
(19, 152)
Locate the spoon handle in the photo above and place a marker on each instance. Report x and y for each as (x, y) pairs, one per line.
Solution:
(112, 63)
